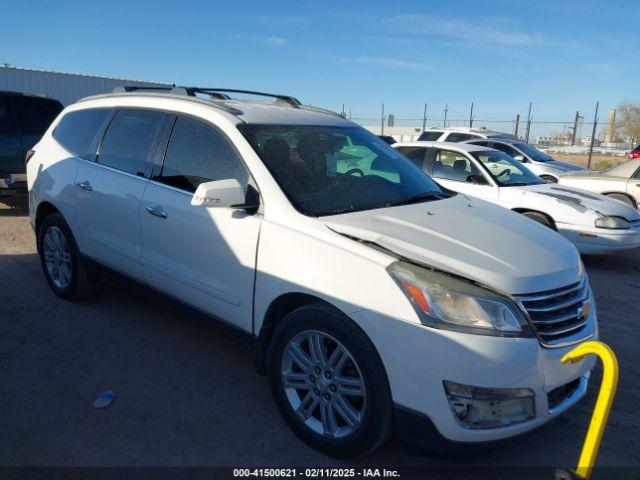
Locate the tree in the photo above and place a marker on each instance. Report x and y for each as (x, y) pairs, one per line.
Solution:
(628, 121)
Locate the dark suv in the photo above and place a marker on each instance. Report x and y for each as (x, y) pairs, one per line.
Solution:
(23, 120)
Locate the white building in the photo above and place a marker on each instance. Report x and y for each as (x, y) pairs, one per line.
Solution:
(65, 87)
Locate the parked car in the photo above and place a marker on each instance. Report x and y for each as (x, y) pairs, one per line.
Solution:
(538, 162)
(459, 134)
(387, 138)
(635, 153)
(23, 120)
(378, 302)
(594, 223)
(621, 182)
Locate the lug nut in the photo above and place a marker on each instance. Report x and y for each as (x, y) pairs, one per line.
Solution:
(327, 374)
(332, 388)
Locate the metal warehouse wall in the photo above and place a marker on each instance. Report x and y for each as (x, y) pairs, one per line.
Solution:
(66, 87)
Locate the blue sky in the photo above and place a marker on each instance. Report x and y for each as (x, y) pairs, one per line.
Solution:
(561, 55)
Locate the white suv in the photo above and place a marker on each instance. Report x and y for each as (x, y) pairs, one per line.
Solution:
(458, 134)
(378, 302)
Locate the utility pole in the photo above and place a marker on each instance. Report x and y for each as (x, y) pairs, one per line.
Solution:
(515, 132)
(593, 135)
(528, 123)
(382, 121)
(424, 118)
(446, 109)
(349, 113)
(343, 109)
(471, 116)
(575, 128)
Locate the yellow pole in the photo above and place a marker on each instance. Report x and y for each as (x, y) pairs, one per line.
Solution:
(603, 403)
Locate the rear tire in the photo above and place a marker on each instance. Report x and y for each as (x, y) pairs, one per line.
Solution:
(549, 178)
(540, 218)
(339, 401)
(623, 198)
(64, 268)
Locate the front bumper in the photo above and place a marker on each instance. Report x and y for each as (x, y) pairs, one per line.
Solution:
(418, 359)
(595, 241)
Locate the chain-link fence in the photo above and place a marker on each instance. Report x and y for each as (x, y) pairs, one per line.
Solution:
(574, 140)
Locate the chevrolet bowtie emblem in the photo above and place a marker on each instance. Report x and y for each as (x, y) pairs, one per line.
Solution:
(583, 311)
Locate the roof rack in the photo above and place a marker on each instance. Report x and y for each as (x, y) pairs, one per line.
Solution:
(136, 88)
(221, 94)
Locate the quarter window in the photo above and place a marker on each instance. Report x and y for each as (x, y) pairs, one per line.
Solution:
(430, 136)
(77, 130)
(129, 138)
(459, 137)
(198, 153)
(450, 165)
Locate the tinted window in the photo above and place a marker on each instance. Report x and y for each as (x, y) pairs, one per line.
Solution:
(129, 138)
(77, 130)
(429, 136)
(7, 122)
(450, 165)
(198, 153)
(533, 153)
(459, 137)
(512, 152)
(36, 114)
(328, 170)
(415, 154)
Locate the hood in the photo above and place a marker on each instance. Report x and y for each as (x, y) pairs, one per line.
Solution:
(550, 196)
(565, 167)
(471, 238)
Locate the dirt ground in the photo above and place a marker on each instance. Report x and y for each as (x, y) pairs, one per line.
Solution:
(599, 161)
(187, 392)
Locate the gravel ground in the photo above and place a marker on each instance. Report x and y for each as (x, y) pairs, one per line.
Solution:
(187, 392)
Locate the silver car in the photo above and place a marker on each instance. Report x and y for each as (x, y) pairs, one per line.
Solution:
(621, 182)
(538, 162)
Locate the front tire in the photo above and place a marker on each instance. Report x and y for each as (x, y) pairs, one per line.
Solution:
(549, 178)
(540, 218)
(61, 262)
(329, 383)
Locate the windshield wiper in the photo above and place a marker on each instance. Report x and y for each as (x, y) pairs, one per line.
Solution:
(421, 197)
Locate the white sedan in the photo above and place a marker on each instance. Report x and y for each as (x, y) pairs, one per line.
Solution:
(594, 223)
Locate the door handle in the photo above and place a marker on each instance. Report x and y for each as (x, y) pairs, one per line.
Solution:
(157, 212)
(85, 186)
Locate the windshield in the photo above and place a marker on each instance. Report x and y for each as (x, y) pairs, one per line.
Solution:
(326, 170)
(533, 153)
(506, 171)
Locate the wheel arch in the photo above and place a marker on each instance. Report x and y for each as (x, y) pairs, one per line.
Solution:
(521, 210)
(625, 194)
(277, 310)
(44, 209)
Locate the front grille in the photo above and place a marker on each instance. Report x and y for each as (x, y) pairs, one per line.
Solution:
(560, 316)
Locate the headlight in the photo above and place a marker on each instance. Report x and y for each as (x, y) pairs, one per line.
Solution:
(444, 301)
(612, 222)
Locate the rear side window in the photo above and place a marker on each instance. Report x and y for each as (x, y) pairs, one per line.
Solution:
(415, 154)
(129, 138)
(36, 114)
(77, 130)
(198, 153)
(7, 122)
(459, 137)
(430, 136)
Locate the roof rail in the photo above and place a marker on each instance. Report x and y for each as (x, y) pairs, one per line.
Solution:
(221, 93)
(136, 88)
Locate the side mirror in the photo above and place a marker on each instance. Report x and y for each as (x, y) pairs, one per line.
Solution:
(477, 179)
(520, 158)
(221, 194)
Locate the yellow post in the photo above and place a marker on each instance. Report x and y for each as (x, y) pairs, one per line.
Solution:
(603, 404)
